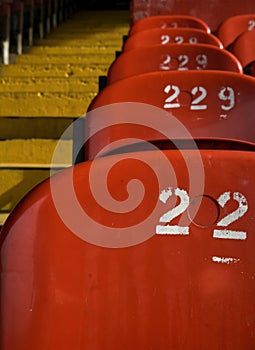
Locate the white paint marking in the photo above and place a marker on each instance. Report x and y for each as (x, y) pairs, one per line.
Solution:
(223, 199)
(223, 260)
(171, 230)
(229, 234)
(238, 213)
(165, 194)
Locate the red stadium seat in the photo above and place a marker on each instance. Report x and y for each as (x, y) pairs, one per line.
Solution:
(66, 284)
(232, 27)
(244, 48)
(169, 22)
(210, 104)
(172, 57)
(156, 36)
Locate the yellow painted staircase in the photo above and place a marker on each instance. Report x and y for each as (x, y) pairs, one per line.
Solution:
(44, 91)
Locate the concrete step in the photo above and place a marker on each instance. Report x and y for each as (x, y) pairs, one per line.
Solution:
(54, 70)
(34, 152)
(48, 84)
(35, 127)
(88, 33)
(24, 164)
(90, 40)
(15, 183)
(66, 59)
(44, 104)
(74, 50)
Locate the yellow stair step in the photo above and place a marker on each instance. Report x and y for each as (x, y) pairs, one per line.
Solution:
(29, 104)
(54, 70)
(15, 183)
(24, 164)
(66, 59)
(104, 40)
(73, 50)
(34, 152)
(88, 34)
(3, 218)
(38, 127)
(48, 84)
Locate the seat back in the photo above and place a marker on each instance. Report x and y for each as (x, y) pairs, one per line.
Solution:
(210, 104)
(184, 271)
(244, 48)
(156, 36)
(173, 21)
(232, 27)
(172, 57)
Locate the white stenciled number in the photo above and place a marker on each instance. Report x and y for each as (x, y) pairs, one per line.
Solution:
(193, 40)
(202, 61)
(163, 25)
(165, 39)
(173, 213)
(174, 24)
(179, 39)
(183, 60)
(251, 24)
(165, 64)
(232, 217)
(169, 101)
(202, 93)
(227, 94)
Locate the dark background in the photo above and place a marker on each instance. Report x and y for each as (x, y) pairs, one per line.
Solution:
(103, 4)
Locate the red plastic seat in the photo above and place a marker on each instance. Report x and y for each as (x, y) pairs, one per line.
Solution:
(59, 290)
(156, 36)
(232, 27)
(244, 48)
(172, 21)
(210, 104)
(172, 57)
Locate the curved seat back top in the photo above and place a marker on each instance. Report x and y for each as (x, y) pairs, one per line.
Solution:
(156, 36)
(173, 21)
(210, 104)
(232, 27)
(70, 280)
(172, 57)
(244, 48)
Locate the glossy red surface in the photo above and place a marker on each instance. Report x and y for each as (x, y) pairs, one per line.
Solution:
(244, 48)
(221, 116)
(171, 57)
(232, 27)
(191, 291)
(156, 36)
